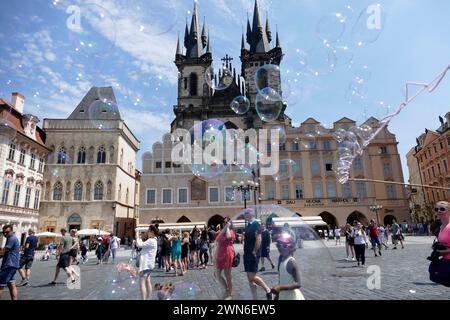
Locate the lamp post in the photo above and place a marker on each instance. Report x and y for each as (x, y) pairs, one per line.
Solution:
(245, 187)
(376, 208)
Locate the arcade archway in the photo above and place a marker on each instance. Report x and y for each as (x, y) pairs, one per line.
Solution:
(357, 216)
(183, 219)
(215, 220)
(329, 219)
(387, 220)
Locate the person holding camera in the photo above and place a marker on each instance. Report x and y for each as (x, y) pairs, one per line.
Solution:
(146, 263)
(360, 240)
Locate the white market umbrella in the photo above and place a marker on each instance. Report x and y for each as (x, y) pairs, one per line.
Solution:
(47, 234)
(91, 232)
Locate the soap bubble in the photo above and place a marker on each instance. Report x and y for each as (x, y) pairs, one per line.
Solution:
(339, 134)
(186, 290)
(343, 54)
(281, 133)
(117, 286)
(7, 131)
(84, 27)
(331, 27)
(267, 76)
(59, 163)
(240, 105)
(100, 112)
(288, 170)
(308, 141)
(305, 242)
(322, 128)
(268, 105)
(370, 24)
(362, 75)
(320, 61)
(218, 78)
(365, 132)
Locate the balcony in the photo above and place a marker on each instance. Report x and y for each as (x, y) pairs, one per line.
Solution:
(18, 211)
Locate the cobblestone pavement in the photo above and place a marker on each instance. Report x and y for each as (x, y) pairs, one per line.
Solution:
(325, 275)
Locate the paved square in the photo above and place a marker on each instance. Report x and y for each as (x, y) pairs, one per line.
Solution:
(325, 275)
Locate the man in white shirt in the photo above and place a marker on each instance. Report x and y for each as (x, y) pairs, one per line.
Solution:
(114, 245)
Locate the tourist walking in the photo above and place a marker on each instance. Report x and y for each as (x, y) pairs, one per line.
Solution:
(225, 238)
(73, 253)
(337, 235)
(176, 253)
(114, 244)
(185, 251)
(63, 251)
(382, 236)
(27, 258)
(106, 248)
(289, 282)
(265, 247)
(349, 242)
(211, 236)
(252, 251)
(83, 250)
(374, 237)
(396, 234)
(99, 251)
(195, 246)
(361, 243)
(148, 245)
(204, 249)
(10, 263)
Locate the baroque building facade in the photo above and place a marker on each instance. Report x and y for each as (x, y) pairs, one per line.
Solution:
(91, 177)
(22, 159)
(170, 192)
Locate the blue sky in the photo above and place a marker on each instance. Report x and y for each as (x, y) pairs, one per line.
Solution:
(132, 48)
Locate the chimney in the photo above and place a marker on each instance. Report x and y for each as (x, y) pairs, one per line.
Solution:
(18, 101)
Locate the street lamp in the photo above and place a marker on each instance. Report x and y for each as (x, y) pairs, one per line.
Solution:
(245, 187)
(376, 209)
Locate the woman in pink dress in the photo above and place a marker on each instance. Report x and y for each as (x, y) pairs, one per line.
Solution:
(443, 213)
(224, 256)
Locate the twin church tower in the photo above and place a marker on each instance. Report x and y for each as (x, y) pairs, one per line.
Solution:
(197, 100)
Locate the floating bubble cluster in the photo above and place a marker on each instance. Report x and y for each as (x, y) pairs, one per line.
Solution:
(240, 105)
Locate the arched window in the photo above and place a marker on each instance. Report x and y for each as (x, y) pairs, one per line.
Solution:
(193, 84)
(98, 191)
(78, 191)
(127, 196)
(121, 157)
(81, 155)
(61, 156)
(108, 190)
(101, 155)
(57, 191)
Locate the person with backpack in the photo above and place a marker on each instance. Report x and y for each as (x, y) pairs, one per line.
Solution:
(224, 238)
(204, 248)
(439, 268)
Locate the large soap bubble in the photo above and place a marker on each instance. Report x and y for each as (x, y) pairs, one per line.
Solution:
(268, 105)
(267, 76)
(218, 78)
(369, 26)
(317, 267)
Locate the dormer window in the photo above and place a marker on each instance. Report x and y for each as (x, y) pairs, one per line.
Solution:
(82, 111)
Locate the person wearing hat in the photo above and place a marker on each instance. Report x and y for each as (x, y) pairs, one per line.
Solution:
(99, 251)
(289, 284)
(442, 210)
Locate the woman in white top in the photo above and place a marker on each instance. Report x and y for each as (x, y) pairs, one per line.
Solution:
(337, 234)
(147, 257)
(360, 240)
(289, 283)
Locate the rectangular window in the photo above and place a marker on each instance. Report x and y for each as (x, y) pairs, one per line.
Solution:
(361, 190)
(295, 146)
(12, 151)
(168, 164)
(151, 196)
(318, 192)
(434, 173)
(22, 156)
(296, 167)
(285, 192)
(248, 196)
(282, 147)
(213, 194)
(183, 195)
(390, 191)
(439, 168)
(32, 161)
(269, 147)
(284, 167)
(27, 198)
(299, 191)
(37, 194)
(347, 190)
(158, 165)
(445, 165)
(441, 145)
(387, 169)
(5, 194)
(327, 145)
(435, 149)
(229, 194)
(331, 190)
(41, 165)
(315, 167)
(383, 150)
(328, 164)
(358, 164)
(166, 196)
(16, 195)
(270, 192)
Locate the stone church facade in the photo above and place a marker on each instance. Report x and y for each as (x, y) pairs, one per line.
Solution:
(171, 193)
(91, 177)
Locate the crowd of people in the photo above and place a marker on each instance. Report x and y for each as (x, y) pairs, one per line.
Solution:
(171, 250)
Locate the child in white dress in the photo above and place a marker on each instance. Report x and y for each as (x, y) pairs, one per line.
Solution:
(289, 283)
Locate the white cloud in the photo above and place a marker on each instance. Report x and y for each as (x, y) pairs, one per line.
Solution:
(50, 56)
